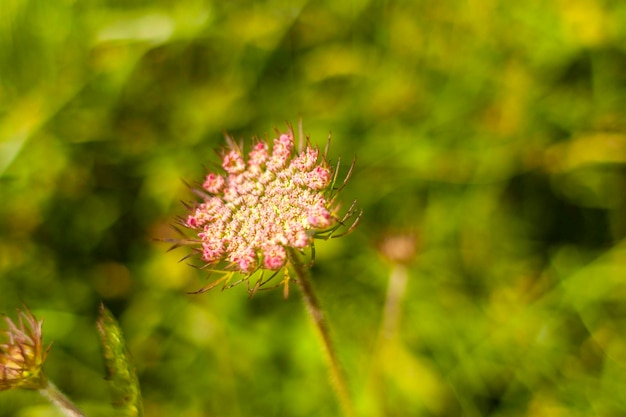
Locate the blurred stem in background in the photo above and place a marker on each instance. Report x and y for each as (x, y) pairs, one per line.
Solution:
(399, 249)
(395, 295)
(338, 377)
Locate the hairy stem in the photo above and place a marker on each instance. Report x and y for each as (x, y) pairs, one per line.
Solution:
(60, 400)
(338, 377)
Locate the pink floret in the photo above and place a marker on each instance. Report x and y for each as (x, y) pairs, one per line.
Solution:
(318, 179)
(274, 257)
(213, 183)
(233, 162)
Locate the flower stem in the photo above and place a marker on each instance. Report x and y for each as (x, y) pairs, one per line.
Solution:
(395, 294)
(338, 377)
(387, 338)
(60, 400)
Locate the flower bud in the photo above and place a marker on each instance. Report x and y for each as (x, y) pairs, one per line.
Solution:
(22, 353)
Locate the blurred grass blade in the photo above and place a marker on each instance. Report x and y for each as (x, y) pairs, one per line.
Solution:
(123, 383)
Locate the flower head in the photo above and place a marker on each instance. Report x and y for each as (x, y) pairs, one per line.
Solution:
(263, 204)
(22, 353)
(399, 248)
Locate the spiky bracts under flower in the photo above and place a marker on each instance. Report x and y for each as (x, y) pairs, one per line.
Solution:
(22, 353)
(276, 198)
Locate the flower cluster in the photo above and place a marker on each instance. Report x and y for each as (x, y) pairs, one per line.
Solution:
(259, 206)
(22, 353)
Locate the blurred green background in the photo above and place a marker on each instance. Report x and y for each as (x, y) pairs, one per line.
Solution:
(492, 130)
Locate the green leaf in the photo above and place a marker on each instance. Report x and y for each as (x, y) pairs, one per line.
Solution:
(123, 383)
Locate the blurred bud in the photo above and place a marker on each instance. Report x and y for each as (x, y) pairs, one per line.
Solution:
(22, 353)
(400, 248)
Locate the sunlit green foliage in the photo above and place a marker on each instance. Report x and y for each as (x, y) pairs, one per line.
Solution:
(492, 129)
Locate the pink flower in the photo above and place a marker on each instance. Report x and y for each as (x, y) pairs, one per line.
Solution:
(275, 199)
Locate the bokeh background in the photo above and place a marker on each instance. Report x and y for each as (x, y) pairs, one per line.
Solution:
(491, 131)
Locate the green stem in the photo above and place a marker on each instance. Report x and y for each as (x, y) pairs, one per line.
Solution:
(338, 377)
(387, 337)
(395, 295)
(56, 397)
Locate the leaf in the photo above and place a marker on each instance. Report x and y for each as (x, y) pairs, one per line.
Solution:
(121, 375)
